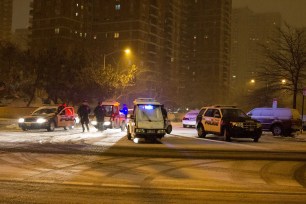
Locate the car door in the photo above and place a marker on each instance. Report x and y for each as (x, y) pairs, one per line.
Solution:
(207, 119)
(216, 121)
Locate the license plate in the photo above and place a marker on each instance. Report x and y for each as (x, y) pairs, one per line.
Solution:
(151, 131)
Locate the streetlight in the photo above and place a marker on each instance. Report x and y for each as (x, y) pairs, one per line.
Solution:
(127, 51)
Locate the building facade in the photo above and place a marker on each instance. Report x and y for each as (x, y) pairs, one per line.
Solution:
(179, 46)
(6, 13)
(208, 67)
(249, 30)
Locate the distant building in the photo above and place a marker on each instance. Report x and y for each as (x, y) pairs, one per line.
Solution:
(179, 46)
(6, 13)
(208, 65)
(249, 29)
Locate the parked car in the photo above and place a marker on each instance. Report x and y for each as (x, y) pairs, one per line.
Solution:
(280, 121)
(227, 121)
(189, 119)
(48, 117)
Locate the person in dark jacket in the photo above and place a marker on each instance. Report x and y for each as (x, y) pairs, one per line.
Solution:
(164, 113)
(83, 112)
(99, 114)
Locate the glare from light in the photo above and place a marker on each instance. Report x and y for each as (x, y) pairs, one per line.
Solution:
(127, 51)
(283, 81)
(136, 140)
(252, 81)
(21, 120)
(148, 107)
(41, 120)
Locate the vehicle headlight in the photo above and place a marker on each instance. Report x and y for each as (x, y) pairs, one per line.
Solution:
(21, 120)
(140, 131)
(94, 122)
(238, 124)
(41, 120)
(107, 123)
(161, 131)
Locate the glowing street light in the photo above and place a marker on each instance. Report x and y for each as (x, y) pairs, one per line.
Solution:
(127, 51)
(252, 81)
(283, 81)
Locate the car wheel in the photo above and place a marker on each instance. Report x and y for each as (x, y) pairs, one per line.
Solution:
(129, 133)
(184, 126)
(226, 135)
(201, 131)
(51, 126)
(256, 139)
(65, 128)
(169, 129)
(24, 129)
(277, 130)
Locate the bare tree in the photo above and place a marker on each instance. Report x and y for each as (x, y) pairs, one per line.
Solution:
(286, 60)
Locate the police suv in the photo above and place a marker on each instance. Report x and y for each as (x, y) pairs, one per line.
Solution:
(227, 121)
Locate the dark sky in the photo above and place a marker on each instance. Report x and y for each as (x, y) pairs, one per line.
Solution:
(293, 11)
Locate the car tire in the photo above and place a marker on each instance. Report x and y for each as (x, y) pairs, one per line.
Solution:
(51, 126)
(129, 136)
(277, 130)
(24, 128)
(256, 139)
(226, 135)
(169, 129)
(201, 131)
(184, 126)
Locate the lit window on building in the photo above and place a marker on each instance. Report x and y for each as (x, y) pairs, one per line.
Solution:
(95, 37)
(116, 35)
(56, 30)
(194, 37)
(206, 36)
(85, 34)
(82, 7)
(81, 34)
(75, 32)
(76, 14)
(117, 7)
(77, 5)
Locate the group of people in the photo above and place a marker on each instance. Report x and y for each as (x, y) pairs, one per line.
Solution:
(83, 112)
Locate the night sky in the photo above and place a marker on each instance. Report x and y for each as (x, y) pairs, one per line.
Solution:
(292, 11)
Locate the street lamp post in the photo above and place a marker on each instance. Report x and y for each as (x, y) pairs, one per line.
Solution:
(127, 51)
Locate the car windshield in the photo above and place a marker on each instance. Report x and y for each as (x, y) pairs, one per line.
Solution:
(43, 111)
(233, 113)
(108, 110)
(149, 113)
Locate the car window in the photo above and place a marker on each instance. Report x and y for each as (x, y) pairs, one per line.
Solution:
(43, 111)
(202, 111)
(217, 113)
(233, 113)
(209, 113)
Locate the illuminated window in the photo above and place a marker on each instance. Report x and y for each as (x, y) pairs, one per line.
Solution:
(82, 7)
(56, 30)
(117, 7)
(77, 5)
(81, 34)
(76, 14)
(116, 35)
(95, 37)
